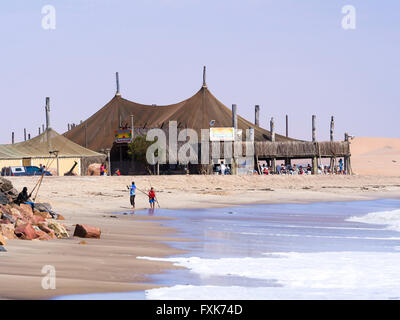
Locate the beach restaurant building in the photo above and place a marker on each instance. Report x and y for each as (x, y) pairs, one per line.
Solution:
(111, 128)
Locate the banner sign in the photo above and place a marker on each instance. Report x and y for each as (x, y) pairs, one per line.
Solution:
(222, 134)
(123, 135)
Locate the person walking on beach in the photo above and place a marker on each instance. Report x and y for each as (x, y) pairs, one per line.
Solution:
(152, 198)
(132, 190)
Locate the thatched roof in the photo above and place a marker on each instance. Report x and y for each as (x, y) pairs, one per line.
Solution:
(195, 113)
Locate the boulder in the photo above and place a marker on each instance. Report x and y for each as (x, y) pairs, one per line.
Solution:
(85, 231)
(4, 198)
(26, 232)
(94, 169)
(2, 249)
(46, 207)
(37, 219)
(7, 230)
(58, 229)
(7, 217)
(5, 185)
(44, 215)
(45, 228)
(3, 241)
(41, 235)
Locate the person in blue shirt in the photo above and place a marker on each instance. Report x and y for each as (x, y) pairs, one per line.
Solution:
(132, 190)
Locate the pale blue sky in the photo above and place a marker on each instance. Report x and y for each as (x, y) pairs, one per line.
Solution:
(290, 57)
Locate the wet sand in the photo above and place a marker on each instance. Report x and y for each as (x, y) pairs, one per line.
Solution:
(109, 264)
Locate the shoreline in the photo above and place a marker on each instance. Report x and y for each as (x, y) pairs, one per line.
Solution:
(106, 265)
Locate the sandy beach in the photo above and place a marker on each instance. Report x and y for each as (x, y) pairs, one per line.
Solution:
(109, 264)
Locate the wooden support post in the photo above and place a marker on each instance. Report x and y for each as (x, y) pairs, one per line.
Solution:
(42, 127)
(118, 93)
(287, 126)
(86, 138)
(12, 137)
(24, 134)
(257, 115)
(204, 77)
(47, 113)
(347, 163)
(39, 131)
(314, 139)
(332, 128)
(272, 130)
(234, 125)
(132, 128)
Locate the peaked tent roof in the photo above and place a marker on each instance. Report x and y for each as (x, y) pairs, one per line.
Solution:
(195, 113)
(41, 145)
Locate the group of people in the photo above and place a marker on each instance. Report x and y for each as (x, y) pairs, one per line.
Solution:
(302, 170)
(223, 169)
(132, 192)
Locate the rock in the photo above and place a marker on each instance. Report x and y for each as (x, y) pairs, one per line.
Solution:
(43, 214)
(7, 230)
(8, 217)
(85, 231)
(26, 232)
(94, 169)
(5, 185)
(3, 241)
(4, 198)
(58, 229)
(37, 220)
(2, 249)
(41, 235)
(46, 207)
(45, 228)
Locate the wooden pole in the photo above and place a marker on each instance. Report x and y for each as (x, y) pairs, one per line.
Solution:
(86, 139)
(24, 134)
(47, 113)
(257, 115)
(39, 131)
(272, 129)
(204, 77)
(314, 139)
(132, 128)
(12, 137)
(29, 136)
(118, 93)
(42, 127)
(332, 128)
(234, 125)
(287, 126)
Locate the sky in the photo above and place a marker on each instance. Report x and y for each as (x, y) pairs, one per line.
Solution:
(288, 56)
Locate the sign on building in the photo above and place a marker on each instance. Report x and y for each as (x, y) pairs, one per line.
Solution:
(123, 136)
(222, 134)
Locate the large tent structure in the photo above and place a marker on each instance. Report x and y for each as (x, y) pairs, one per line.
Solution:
(97, 132)
(51, 149)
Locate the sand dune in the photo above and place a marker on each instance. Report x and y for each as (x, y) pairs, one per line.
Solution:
(376, 156)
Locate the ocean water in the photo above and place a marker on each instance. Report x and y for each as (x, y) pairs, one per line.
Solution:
(331, 250)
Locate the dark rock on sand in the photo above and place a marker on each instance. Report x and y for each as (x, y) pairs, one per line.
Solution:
(85, 231)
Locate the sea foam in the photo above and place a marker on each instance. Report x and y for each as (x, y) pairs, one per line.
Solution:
(389, 218)
(318, 275)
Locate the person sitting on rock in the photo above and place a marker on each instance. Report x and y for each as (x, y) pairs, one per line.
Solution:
(23, 197)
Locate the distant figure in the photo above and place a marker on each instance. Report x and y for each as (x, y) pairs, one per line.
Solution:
(341, 166)
(132, 190)
(102, 170)
(152, 198)
(41, 168)
(223, 168)
(117, 172)
(23, 197)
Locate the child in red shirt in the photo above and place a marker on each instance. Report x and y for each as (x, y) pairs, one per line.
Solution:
(152, 197)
